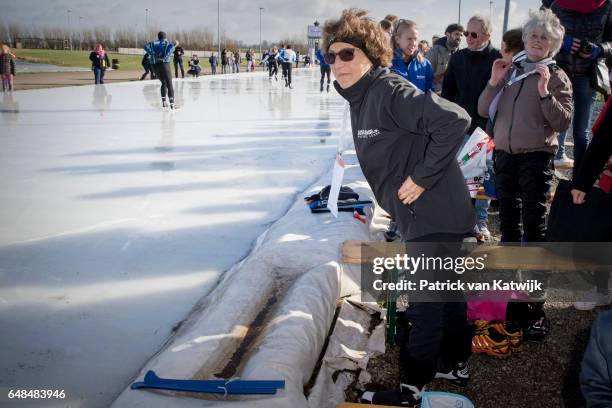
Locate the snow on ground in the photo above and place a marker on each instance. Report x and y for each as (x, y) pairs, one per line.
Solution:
(117, 217)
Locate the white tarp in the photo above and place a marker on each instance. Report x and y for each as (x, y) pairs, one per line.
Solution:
(295, 261)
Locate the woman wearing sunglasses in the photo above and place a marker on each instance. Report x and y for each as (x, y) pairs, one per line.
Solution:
(408, 60)
(406, 142)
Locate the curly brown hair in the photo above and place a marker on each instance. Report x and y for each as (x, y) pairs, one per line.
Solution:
(355, 27)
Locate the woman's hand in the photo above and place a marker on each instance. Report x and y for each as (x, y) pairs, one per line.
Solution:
(499, 70)
(578, 196)
(409, 192)
(544, 78)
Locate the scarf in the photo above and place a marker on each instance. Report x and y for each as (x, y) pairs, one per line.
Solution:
(581, 6)
(100, 51)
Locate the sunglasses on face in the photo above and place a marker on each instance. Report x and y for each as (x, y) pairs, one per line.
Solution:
(472, 34)
(345, 54)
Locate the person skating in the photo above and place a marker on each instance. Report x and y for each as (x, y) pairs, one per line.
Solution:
(281, 58)
(288, 61)
(160, 52)
(146, 65)
(325, 68)
(178, 59)
(273, 64)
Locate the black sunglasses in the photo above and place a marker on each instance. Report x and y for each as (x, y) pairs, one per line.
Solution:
(345, 54)
(472, 34)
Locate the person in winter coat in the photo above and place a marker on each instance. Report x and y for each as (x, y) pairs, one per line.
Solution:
(213, 63)
(406, 142)
(588, 40)
(408, 61)
(224, 61)
(237, 60)
(194, 66)
(530, 102)
(7, 68)
(585, 216)
(99, 63)
(441, 51)
(466, 76)
(178, 59)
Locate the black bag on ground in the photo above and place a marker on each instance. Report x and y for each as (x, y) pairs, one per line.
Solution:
(346, 193)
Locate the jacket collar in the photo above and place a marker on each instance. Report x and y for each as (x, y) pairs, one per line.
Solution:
(356, 93)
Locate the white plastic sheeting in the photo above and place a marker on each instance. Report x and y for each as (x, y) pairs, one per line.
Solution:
(296, 261)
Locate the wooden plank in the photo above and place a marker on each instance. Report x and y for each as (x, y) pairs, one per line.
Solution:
(498, 257)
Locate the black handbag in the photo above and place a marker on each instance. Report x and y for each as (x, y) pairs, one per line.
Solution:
(600, 78)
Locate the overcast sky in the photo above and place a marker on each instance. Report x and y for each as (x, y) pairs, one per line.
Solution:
(240, 18)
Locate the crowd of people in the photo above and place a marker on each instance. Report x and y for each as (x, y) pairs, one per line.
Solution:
(412, 107)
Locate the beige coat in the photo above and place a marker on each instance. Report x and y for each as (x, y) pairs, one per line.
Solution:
(524, 122)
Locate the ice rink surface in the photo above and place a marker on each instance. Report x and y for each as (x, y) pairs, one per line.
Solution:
(117, 217)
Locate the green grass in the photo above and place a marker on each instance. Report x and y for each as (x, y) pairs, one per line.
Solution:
(81, 59)
(74, 58)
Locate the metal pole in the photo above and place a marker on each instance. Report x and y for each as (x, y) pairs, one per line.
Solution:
(218, 32)
(506, 13)
(69, 33)
(459, 20)
(80, 35)
(260, 10)
(146, 19)
(490, 9)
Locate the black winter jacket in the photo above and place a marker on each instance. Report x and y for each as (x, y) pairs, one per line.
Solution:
(595, 28)
(466, 77)
(178, 52)
(99, 62)
(7, 64)
(399, 132)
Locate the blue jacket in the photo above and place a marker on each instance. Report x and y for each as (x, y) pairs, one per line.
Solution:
(160, 51)
(322, 62)
(596, 370)
(419, 73)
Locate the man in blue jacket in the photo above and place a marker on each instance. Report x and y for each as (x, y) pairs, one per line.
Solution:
(325, 67)
(160, 52)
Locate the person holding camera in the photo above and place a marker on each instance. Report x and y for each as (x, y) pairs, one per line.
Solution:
(587, 43)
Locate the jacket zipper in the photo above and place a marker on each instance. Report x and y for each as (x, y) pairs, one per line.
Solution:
(512, 117)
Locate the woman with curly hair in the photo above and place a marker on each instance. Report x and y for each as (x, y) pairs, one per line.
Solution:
(406, 142)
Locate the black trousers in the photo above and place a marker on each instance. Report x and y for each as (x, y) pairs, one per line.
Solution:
(439, 331)
(272, 68)
(521, 183)
(325, 71)
(284, 69)
(165, 76)
(287, 68)
(179, 63)
(148, 68)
